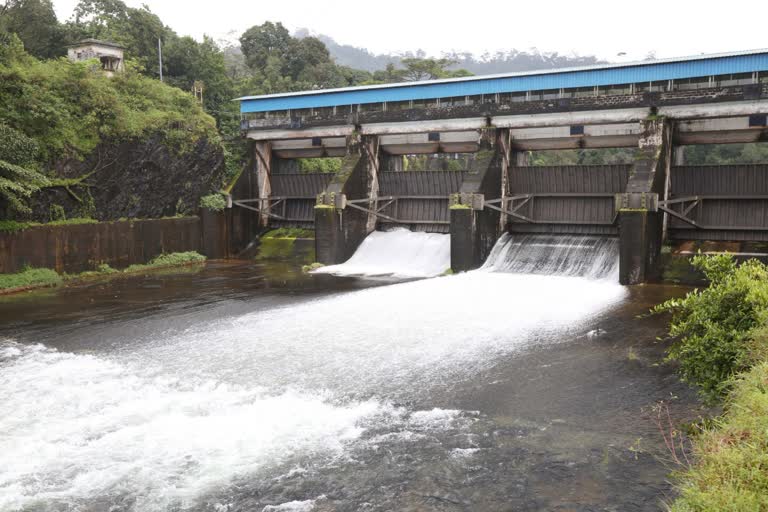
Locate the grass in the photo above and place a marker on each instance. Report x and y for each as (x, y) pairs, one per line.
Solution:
(731, 455)
(30, 278)
(731, 470)
(167, 260)
(12, 226)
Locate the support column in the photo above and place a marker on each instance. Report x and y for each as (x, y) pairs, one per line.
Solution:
(504, 138)
(338, 228)
(263, 161)
(371, 147)
(474, 228)
(640, 222)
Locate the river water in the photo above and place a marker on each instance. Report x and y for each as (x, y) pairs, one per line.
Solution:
(254, 387)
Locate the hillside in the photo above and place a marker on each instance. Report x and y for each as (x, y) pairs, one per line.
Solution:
(76, 143)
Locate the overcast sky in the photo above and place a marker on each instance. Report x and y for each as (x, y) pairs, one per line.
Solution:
(585, 27)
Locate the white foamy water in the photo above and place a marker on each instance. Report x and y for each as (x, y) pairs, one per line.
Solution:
(75, 427)
(397, 253)
(592, 257)
(173, 420)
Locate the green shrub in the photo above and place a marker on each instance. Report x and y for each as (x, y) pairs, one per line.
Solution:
(12, 226)
(214, 202)
(30, 277)
(168, 260)
(712, 326)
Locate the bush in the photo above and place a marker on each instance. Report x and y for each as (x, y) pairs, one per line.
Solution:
(214, 202)
(168, 260)
(712, 327)
(30, 277)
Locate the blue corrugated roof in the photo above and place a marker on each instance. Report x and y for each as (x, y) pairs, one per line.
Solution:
(567, 78)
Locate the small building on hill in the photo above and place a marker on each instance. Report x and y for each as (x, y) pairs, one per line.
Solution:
(110, 54)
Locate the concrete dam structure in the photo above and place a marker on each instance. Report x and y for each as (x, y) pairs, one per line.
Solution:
(657, 107)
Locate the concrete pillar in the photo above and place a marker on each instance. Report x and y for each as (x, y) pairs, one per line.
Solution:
(463, 239)
(339, 229)
(640, 222)
(474, 228)
(329, 235)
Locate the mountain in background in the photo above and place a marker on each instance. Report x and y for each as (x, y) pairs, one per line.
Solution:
(489, 63)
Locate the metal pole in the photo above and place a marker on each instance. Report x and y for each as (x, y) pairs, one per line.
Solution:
(160, 57)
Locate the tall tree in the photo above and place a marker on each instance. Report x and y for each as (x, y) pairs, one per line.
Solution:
(35, 23)
(261, 42)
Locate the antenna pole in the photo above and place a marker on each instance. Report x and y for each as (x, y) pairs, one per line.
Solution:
(160, 57)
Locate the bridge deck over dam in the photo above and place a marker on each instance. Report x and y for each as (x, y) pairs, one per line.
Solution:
(656, 107)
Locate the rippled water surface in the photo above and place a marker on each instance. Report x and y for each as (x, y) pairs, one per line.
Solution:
(255, 387)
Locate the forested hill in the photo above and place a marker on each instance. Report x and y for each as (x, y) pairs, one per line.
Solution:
(509, 61)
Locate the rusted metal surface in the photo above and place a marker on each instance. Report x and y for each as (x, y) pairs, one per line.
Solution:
(75, 248)
(418, 199)
(719, 202)
(565, 199)
(293, 198)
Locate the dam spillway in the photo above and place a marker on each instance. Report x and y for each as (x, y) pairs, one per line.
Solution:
(397, 253)
(566, 255)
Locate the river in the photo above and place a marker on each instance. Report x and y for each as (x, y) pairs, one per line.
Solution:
(254, 387)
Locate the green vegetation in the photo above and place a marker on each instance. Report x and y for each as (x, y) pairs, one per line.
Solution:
(30, 278)
(721, 347)
(289, 233)
(711, 326)
(12, 226)
(312, 266)
(281, 244)
(713, 154)
(215, 202)
(731, 468)
(167, 260)
(68, 108)
(45, 277)
(327, 165)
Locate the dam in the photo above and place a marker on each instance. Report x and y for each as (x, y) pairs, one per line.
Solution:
(657, 107)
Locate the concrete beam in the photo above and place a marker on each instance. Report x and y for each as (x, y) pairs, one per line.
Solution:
(730, 109)
(628, 115)
(310, 153)
(299, 133)
(593, 136)
(438, 125)
(419, 143)
(719, 131)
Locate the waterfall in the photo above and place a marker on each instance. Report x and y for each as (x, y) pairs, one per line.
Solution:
(592, 257)
(397, 253)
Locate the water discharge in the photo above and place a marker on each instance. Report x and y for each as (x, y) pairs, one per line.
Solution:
(397, 253)
(591, 257)
(174, 415)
